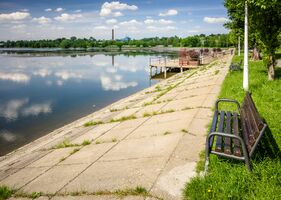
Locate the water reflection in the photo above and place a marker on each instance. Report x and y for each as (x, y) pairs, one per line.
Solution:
(40, 93)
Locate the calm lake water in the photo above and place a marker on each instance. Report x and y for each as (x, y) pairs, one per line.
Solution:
(41, 92)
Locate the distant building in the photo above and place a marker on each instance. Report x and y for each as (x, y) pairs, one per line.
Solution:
(125, 39)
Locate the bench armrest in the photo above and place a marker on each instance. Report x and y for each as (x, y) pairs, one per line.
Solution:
(227, 100)
(244, 148)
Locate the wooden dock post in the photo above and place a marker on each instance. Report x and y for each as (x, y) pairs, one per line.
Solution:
(181, 69)
(165, 72)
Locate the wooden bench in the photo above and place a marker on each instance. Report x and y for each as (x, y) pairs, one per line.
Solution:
(235, 66)
(235, 134)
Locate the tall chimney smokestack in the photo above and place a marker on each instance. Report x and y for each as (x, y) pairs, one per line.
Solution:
(113, 34)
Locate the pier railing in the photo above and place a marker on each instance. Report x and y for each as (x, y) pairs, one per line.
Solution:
(161, 61)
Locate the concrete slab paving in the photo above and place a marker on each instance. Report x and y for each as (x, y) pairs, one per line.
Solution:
(186, 103)
(143, 148)
(171, 117)
(160, 129)
(87, 154)
(52, 158)
(54, 179)
(199, 126)
(23, 176)
(95, 132)
(118, 174)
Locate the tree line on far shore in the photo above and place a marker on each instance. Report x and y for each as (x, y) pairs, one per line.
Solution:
(213, 40)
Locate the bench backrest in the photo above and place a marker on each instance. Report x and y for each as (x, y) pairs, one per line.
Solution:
(251, 122)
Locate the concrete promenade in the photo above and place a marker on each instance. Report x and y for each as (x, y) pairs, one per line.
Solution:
(142, 147)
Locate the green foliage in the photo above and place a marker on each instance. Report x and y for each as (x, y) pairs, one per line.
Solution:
(5, 192)
(228, 179)
(264, 18)
(219, 40)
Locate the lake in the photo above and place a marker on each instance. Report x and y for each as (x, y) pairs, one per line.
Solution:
(40, 92)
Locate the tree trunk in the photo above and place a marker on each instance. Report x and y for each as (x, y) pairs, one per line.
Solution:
(256, 54)
(271, 72)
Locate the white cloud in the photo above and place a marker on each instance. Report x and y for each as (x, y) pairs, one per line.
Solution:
(24, 10)
(14, 16)
(42, 72)
(36, 109)
(109, 8)
(193, 31)
(10, 110)
(77, 11)
(42, 20)
(8, 136)
(19, 26)
(65, 75)
(160, 21)
(149, 21)
(130, 23)
(101, 28)
(111, 21)
(165, 22)
(115, 83)
(171, 28)
(117, 14)
(48, 9)
(15, 77)
(64, 17)
(59, 9)
(170, 12)
(214, 20)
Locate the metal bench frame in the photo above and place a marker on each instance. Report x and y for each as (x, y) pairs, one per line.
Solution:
(246, 155)
(235, 66)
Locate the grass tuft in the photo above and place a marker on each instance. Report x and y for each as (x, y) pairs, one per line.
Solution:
(74, 151)
(92, 123)
(125, 118)
(5, 192)
(86, 142)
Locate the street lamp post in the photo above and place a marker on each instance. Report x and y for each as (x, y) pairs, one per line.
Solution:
(245, 71)
(238, 45)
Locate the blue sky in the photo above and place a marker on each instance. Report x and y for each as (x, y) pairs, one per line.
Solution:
(26, 19)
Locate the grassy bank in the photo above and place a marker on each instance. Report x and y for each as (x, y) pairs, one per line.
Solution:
(228, 179)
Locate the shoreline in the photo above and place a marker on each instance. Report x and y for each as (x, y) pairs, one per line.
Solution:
(76, 123)
(157, 149)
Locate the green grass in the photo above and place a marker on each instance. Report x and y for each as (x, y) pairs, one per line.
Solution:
(74, 151)
(125, 118)
(65, 144)
(92, 123)
(86, 142)
(5, 192)
(167, 133)
(229, 179)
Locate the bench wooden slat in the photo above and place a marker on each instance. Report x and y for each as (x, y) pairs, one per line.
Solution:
(258, 120)
(220, 129)
(227, 141)
(250, 124)
(214, 126)
(236, 148)
(245, 130)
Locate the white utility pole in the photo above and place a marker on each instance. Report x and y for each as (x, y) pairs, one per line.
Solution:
(245, 74)
(238, 45)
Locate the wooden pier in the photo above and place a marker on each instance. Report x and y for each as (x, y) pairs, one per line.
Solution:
(165, 64)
